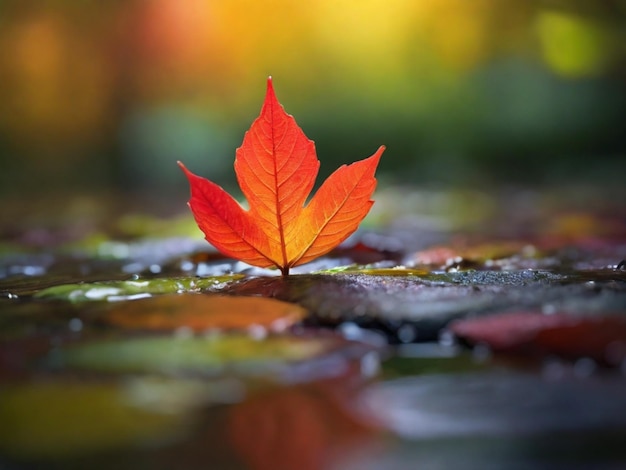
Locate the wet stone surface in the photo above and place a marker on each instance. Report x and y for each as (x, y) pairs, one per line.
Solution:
(399, 300)
(486, 339)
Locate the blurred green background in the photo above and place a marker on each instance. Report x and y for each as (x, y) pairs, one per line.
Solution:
(109, 94)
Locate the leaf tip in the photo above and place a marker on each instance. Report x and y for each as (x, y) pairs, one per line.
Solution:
(376, 156)
(183, 167)
(270, 87)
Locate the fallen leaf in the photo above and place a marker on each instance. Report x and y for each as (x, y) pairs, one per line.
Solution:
(276, 167)
(203, 312)
(56, 419)
(241, 354)
(508, 331)
(129, 290)
(601, 339)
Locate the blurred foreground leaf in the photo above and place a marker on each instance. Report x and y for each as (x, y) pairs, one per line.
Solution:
(203, 355)
(58, 419)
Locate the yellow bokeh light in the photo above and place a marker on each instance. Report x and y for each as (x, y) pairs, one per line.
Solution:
(573, 46)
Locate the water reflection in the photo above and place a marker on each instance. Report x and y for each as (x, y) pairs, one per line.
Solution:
(305, 427)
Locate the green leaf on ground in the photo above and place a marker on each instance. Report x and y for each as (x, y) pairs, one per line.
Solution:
(201, 355)
(128, 290)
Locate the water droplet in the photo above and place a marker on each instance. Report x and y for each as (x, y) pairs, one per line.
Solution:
(407, 333)
(117, 298)
(183, 332)
(114, 249)
(280, 324)
(481, 352)
(99, 293)
(553, 369)
(447, 339)
(257, 332)
(370, 364)
(186, 265)
(584, 367)
(350, 330)
(75, 324)
(133, 268)
(548, 309)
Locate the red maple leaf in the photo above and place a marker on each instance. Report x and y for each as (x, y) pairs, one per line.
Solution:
(276, 167)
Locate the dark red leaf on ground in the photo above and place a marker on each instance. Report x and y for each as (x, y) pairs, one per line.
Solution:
(572, 337)
(508, 331)
(601, 339)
